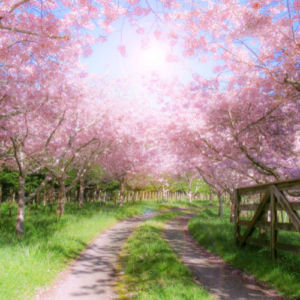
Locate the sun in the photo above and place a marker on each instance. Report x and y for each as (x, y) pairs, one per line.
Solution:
(149, 56)
(153, 58)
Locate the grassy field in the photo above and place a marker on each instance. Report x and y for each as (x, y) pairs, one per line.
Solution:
(149, 269)
(50, 243)
(216, 235)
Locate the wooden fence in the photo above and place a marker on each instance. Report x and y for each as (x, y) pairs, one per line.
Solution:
(265, 215)
(51, 195)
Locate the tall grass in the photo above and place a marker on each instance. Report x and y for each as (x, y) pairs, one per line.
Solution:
(50, 243)
(152, 271)
(217, 236)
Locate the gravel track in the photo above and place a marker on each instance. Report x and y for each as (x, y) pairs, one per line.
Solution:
(93, 275)
(212, 272)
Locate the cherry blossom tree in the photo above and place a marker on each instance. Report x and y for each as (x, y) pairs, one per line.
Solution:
(129, 153)
(238, 128)
(231, 127)
(163, 167)
(231, 139)
(78, 137)
(189, 182)
(22, 135)
(61, 133)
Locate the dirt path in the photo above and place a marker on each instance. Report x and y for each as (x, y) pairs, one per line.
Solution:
(92, 276)
(222, 280)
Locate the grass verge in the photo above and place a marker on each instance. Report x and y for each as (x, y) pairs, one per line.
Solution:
(150, 268)
(50, 243)
(216, 235)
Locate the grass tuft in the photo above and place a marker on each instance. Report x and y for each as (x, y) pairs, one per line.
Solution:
(50, 243)
(149, 268)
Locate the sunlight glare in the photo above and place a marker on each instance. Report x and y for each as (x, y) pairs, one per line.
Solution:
(153, 58)
(145, 58)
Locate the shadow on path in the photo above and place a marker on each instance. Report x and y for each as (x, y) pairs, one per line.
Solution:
(92, 276)
(210, 271)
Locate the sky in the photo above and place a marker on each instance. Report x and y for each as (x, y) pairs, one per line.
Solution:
(138, 61)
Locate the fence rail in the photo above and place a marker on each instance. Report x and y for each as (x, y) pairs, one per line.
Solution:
(272, 201)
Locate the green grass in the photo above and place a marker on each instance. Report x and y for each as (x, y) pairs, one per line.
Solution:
(50, 243)
(217, 236)
(150, 268)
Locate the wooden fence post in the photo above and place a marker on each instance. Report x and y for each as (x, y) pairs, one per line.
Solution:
(274, 235)
(237, 200)
(273, 200)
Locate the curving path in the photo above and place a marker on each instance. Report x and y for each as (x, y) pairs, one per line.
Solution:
(92, 276)
(222, 280)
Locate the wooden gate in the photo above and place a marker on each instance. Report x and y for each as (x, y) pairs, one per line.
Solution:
(273, 199)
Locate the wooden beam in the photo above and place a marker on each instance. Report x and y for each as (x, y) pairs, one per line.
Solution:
(294, 205)
(290, 184)
(252, 191)
(258, 224)
(255, 218)
(285, 227)
(274, 235)
(257, 242)
(278, 246)
(247, 207)
(237, 200)
(266, 225)
(287, 248)
(251, 207)
(289, 210)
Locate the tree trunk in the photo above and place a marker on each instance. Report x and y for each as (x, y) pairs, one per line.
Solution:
(36, 203)
(21, 204)
(62, 197)
(76, 199)
(163, 196)
(210, 195)
(51, 198)
(99, 198)
(81, 192)
(232, 216)
(122, 192)
(220, 205)
(190, 196)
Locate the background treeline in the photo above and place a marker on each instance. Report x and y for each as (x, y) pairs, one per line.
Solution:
(10, 186)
